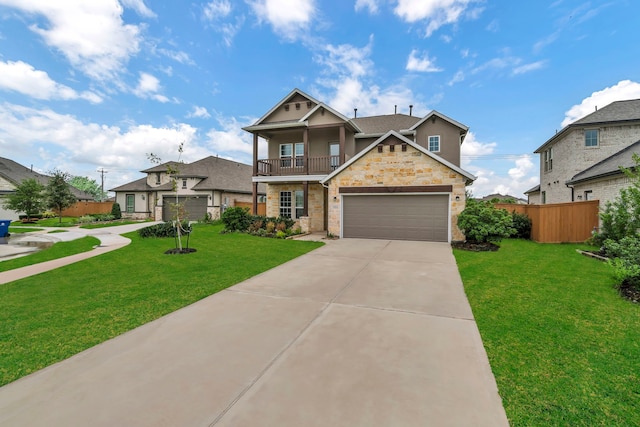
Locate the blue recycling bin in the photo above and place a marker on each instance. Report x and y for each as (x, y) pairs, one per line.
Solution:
(4, 227)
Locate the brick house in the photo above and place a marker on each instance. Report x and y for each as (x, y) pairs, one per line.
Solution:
(581, 162)
(203, 187)
(392, 176)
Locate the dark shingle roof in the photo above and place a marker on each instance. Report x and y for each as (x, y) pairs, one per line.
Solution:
(382, 124)
(16, 173)
(616, 112)
(609, 166)
(137, 185)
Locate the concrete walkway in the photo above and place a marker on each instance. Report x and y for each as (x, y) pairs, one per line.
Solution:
(355, 333)
(110, 239)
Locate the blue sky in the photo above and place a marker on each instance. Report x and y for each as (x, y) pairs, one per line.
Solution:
(88, 85)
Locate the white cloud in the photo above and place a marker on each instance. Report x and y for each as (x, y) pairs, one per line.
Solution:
(346, 60)
(23, 78)
(148, 87)
(422, 64)
(177, 55)
(64, 141)
(623, 90)
(436, 12)
(457, 78)
(230, 140)
(523, 167)
(139, 7)
(371, 5)
(217, 9)
(199, 112)
(216, 12)
(472, 149)
(525, 68)
(90, 34)
(288, 18)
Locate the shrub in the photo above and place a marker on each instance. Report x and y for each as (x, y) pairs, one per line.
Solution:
(115, 211)
(165, 229)
(86, 219)
(482, 222)
(236, 219)
(49, 214)
(625, 259)
(521, 225)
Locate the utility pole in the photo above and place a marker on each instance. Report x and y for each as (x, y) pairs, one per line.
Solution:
(102, 172)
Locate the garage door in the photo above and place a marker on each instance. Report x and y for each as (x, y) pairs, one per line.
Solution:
(399, 217)
(196, 207)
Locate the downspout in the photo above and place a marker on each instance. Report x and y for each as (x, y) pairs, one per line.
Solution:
(572, 191)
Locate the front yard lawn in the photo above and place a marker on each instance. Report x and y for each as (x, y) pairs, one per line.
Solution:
(58, 250)
(563, 345)
(52, 316)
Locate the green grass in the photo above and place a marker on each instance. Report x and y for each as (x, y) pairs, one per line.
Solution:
(21, 229)
(52, 316)
(58, 250)
(563, 345)
(50, 222)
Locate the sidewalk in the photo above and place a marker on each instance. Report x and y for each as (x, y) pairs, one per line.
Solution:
(110, 240)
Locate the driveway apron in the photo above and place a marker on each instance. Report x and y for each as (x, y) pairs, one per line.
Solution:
(356, 333)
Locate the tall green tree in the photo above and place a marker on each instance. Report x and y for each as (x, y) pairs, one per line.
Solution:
(28, 198)
(90, 186)
(58, 193)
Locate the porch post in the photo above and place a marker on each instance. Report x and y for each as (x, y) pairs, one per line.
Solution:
(255, 198)
(305, 187)
(255, 154)
(342, 137)
(305, 141)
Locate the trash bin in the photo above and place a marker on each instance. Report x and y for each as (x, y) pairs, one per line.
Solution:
(4, 227)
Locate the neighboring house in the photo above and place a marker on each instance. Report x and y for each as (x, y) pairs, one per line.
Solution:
(12, 174)
(392, 176)
(204, 187)
(581, 162)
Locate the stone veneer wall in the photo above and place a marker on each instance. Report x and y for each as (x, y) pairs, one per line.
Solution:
(397, 168)
(315, 209)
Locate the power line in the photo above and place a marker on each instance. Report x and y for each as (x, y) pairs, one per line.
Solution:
(102, 172)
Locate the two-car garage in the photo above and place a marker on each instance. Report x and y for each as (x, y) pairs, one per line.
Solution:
(396, 216)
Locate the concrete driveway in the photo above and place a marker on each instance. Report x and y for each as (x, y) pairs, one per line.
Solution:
(356, 333)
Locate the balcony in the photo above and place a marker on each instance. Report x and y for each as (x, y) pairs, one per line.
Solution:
(298, 166)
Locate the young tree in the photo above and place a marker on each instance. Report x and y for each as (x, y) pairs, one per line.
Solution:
(57, 192)
(28, 198)
(88, 185)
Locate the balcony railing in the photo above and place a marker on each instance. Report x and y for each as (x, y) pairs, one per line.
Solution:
(298, 166)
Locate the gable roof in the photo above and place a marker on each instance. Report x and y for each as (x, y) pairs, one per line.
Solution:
(379, 125)
(616, 112)
(284, 100)
(609, 166)
(15, 173)
(535, 189)
(404, 140)
(215, 173)
(443, 117)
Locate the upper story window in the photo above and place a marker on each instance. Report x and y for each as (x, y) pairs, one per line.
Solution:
(591, 138)
(547, 157)
(158, 178)
(434, 143)
(184, 183)
(289, 151)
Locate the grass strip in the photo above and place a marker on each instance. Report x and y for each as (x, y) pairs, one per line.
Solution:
(58, 250)
(52, 316)
(563, 345)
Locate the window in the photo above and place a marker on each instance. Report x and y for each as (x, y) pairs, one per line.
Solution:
(434, 143)
(287, 153)
(543, 197)
(334, 153)
(158, 181)
(588, 195)
(548, 159)
(299, 203)
(591, 138)
(290, 200)
(131, 203)
(184, 183)
(285, 204)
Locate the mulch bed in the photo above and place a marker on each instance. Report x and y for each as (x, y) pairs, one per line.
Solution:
(179, 251)
(476, 246)
(630, 291)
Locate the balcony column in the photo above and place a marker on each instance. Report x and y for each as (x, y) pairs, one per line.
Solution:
(255, 154)
(342, 138)
(255, 198)
(305, 141)
(305, 190)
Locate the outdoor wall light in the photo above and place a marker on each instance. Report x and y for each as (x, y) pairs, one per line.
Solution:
(457, 198)
(335, 198)
(143, 197)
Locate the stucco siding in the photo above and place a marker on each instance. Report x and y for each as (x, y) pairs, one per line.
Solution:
(449, 138)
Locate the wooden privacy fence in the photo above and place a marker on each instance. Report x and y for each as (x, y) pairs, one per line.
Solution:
(262, 207)
(85, 208)
(559, 222)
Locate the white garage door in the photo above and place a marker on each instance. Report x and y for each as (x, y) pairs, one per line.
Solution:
(398, 217)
